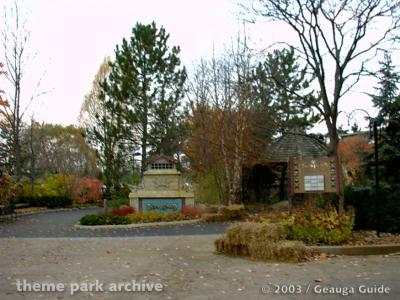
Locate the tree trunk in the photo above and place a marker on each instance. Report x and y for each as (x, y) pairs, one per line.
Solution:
(333, 145)
(144, 132)
(144, 150)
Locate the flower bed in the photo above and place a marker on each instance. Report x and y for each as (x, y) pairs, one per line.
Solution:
(153, 216)
(319, 226)
(126, 215)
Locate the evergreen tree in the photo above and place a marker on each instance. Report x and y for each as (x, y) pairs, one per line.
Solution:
(107, 137)
(147, 78)
(387, 100)
(283, 87)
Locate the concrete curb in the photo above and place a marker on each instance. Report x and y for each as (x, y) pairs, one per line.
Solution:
(358, 250)
(139, 225)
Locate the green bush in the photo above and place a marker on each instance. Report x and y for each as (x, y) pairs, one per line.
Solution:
(121, 192)
(57, 185)
(137, 217)
(104, 219)
(207, 190)
(46, 201)
(313, 225)
(117, 203)
(364, 202)
(52, 192)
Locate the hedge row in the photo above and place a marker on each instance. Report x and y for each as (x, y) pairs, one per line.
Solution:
(47, 201)
(364, 202)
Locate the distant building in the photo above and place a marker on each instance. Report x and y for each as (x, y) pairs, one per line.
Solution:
(295, 165)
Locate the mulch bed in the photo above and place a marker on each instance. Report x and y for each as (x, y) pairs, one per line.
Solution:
(370, 238)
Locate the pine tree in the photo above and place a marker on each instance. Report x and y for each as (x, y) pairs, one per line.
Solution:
(107, 136)
(283, 87)
(387, 97)
(146, 75)
(387, 100)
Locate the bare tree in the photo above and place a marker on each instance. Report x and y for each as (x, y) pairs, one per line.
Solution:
(34, 140)
(338, 38)
(14, 37)
(222, 137)
(3, 124)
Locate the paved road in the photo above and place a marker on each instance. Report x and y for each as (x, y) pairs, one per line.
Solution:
(187, 267)
(61, 224)
(185, 264)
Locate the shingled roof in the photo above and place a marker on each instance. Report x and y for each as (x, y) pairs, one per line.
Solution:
(295, 146)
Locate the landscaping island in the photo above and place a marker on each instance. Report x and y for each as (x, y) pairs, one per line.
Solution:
(267, 234)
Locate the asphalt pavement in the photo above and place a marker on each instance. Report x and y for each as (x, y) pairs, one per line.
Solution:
(61, 225)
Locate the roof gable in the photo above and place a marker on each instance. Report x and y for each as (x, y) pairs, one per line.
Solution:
(293, 145)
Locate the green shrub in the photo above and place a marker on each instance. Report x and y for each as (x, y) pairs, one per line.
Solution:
(313, 225)
(118, 203)
(54, 202)
(52, 192)
(207, 190)
(47, 201)
(57, 185)
(364, 202)
(121, 192)
(104, 219)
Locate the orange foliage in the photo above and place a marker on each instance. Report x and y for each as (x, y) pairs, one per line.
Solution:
(220, 142)
(352, 151)
(214, 137)
(87, 190)
(202, 145)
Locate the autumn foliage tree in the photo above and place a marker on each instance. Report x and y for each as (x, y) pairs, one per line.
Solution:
(353, 151)
(223, 133)
(87, 190)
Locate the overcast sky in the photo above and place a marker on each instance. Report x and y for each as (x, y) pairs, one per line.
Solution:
(70, 38)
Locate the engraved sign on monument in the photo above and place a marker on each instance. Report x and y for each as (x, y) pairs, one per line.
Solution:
(162, 188)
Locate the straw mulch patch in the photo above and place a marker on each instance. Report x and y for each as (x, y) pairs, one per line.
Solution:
(261, 242)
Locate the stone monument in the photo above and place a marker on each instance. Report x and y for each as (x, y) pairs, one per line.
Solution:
(162, 188)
